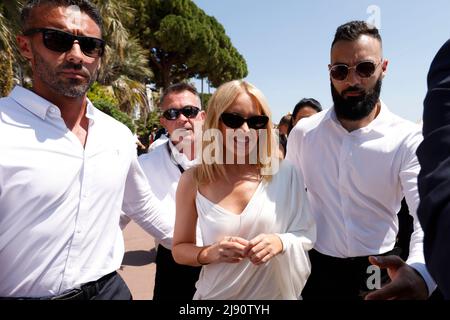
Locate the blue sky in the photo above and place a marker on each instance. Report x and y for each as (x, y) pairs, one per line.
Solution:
(286, 45)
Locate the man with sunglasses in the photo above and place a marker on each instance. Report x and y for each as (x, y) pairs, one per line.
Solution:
(367, 165)
(66, 169)
(181, 114)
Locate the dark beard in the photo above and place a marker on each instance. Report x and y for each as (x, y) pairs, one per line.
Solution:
(355, 108)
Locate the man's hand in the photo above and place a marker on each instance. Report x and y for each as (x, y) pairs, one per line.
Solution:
(406, 283)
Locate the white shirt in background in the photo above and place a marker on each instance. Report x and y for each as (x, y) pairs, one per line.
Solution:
(163, 175)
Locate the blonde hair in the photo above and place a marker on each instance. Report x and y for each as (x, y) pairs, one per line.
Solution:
(220, 101)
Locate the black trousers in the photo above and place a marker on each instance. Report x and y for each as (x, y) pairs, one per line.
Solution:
(108, 287)
(173, 281)
(114, 289)
(340, 278)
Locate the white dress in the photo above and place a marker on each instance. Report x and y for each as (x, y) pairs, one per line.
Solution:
(277, 206)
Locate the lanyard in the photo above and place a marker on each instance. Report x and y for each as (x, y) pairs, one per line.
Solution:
(173, 158)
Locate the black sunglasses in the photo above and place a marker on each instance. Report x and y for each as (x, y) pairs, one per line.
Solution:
(364, 69)
(61, 41)
(187, 111)
(234, 121)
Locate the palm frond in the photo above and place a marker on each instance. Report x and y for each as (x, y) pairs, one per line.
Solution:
(131, 94)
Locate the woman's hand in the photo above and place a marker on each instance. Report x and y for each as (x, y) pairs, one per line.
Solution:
(263, 247)
(229, 249)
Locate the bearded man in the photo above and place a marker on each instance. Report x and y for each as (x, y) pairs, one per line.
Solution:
(358, 161)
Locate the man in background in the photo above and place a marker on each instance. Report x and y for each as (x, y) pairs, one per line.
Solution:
(181, 107)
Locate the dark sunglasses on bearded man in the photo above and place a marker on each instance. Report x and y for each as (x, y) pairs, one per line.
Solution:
(61, 41)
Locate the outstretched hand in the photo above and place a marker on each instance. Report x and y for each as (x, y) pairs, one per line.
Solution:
(406, 283)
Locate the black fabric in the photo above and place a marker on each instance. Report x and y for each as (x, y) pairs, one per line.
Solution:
(109, 287)
(114, 289)
(173, 281)
(405, 229)
(339, 278)
(434, 177)
(171, 156)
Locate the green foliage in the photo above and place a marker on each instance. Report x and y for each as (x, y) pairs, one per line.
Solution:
(205, 100)
(99, 92)
(104, 100)
(146, 125)
(125, 64)
(184, 43)
(7, 47)
(111, 110)
(163, 41)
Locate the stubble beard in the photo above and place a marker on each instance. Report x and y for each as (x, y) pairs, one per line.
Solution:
(71, 88)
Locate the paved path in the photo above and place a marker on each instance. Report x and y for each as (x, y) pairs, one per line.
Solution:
(138, 267)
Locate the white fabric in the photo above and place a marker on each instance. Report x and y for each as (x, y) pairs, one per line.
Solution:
(59, 202)
(279, 206)
(163, 175)
(356, 182)
(161, 140)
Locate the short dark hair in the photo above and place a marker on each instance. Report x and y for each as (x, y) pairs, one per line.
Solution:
(85, 6)
(306, 102)
(177, 88)
(352, 30)
(286, 119)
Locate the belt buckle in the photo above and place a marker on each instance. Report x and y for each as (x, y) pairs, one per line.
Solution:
(90, 290)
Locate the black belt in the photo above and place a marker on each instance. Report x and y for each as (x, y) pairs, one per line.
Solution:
(361, 260)
(86, 292)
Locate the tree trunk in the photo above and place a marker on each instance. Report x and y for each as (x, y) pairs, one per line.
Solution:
(202, 100)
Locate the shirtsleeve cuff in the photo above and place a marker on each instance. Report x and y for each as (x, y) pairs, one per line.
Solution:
(422, 270)
(284, 237)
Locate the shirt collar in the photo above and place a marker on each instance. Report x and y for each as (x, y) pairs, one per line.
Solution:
(375, 125)
(40, 106)
(31, 101)
(91, 112)
(180, 158)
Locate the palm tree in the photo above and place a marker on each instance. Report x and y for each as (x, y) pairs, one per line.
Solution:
(126, 75)
(6, 68)
(124, 66)
(12, 66)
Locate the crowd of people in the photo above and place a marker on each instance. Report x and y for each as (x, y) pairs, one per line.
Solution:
(235, 213)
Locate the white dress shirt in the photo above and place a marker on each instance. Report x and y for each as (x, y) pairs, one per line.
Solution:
(60, 203)
(356, 181)
(161, 140)
(161, 169)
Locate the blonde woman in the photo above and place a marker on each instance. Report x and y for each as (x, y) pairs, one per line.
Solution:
(252, 209)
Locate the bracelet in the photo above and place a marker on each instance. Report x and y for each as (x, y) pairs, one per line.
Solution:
(198, 256)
